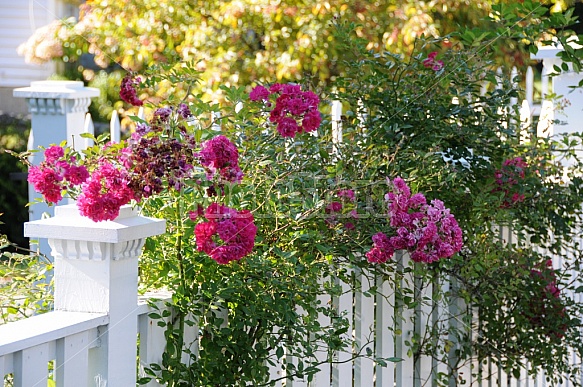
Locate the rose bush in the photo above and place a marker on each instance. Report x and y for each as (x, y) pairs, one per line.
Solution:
(266, 213)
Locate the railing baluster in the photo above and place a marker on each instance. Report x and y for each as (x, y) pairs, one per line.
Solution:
(152, 343)
(72, 360)
(31, 366)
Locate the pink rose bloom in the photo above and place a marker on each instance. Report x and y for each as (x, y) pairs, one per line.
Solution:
(53, 154)
(259, 93)
(334, 207)
(347, 194)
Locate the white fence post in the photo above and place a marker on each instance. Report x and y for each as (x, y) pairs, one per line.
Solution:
(96, 271)
(114, 128)
(57, 111)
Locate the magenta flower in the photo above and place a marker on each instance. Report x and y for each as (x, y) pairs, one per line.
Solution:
(428, 231)
(128, 91)
(259, 93)
(235, 229)
(76, 174)
(334, 207)
(53, 154)
(103, 194)
(220, 156)
(55, 174)
(47, 182)
(287, 127)
(381, 251)
(162, 114)
(430, 62)
(347, 194)
(295, 111)
(184, 111)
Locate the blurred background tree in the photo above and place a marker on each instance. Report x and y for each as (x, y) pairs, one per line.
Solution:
(240, 42)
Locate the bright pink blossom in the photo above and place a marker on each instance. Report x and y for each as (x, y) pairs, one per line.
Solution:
(53, 154)
(76, 174)
(55, 174)
(103, 194)
(47, 182)
(382, 249)
(428, 231)
(228, 235)
(259, 93)
(347, 194)
(220, 155)
(295, 111)
(430, 62)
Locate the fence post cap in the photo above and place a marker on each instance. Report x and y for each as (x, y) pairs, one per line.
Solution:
(56, 89)
(69, 224)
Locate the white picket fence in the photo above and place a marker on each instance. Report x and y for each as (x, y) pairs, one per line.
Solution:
(75, 343)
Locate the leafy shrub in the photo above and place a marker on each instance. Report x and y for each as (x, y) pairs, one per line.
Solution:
(13, 186)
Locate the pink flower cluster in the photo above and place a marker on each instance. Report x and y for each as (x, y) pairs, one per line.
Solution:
(428, 231)
(295, 111)
(220, 155)
(128, 92)
(382, 249)
(56, 173)
(343, 206)
(508, 178)
(430, 62)
(546, 310)
(105, 192)
(234, 228)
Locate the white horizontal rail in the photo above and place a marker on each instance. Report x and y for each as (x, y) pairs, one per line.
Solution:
(27, 346)
(36, 330)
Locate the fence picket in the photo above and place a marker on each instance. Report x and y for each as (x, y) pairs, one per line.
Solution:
(342, 370)
(384, 335)
(336, 117)
(114, 127)
(275, 369)
(529, 86)
(440, 318)
(293, 381)
(324, 376)
(545, 81)
(5, 367)
(405, 326)
(364, 331)
(152, 343)
(423, 315)
(88, 127)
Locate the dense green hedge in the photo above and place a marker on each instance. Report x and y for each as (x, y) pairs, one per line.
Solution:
(13, 193)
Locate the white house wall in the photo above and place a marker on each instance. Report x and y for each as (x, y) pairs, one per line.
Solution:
(18, 20)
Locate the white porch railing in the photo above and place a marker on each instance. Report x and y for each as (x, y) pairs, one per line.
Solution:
(91, 337)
